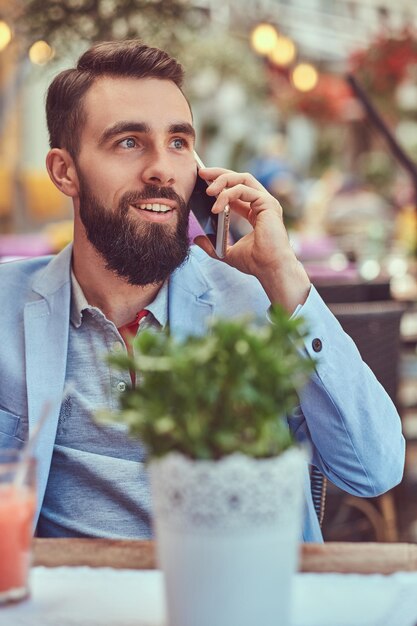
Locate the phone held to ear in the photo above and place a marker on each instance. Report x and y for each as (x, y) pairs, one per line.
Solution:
(215, 226)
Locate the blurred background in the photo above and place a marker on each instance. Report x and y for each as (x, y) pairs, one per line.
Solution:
(318, 99)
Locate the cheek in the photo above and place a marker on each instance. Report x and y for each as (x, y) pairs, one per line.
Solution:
(104, 181)
(106, 188)
(189, 185)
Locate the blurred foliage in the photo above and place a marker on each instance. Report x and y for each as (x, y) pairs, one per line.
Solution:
(325, 104)
(326, 152)
(224, 392)
(62, 21)
(387, 62)
(378, 170)
(186, 31)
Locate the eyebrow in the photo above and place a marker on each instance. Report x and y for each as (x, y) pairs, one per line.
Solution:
(183, 128)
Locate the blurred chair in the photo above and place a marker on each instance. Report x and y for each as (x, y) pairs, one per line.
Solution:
(375, 328)
(319, 492)
(341, 292)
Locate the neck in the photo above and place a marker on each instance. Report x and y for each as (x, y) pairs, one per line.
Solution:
(113, 295)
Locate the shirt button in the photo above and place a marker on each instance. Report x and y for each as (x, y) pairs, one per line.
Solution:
(117, 346)
(317, 344)
(121, 386)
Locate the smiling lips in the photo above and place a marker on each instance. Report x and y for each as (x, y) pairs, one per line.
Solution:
(156, 211)
(157, 208)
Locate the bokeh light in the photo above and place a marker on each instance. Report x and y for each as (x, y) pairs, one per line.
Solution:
(305, 77)
(264, 38)
(40, 52)
(284, 51)
(369, 269)
(5, 35)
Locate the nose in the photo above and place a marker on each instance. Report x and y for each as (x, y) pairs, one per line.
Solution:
(158, 169)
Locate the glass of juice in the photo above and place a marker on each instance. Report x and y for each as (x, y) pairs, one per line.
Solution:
(17, 508)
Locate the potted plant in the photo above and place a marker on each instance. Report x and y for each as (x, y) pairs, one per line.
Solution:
(226, 474)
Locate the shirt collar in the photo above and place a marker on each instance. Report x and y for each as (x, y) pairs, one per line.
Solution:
(158, 307)
(78, 302)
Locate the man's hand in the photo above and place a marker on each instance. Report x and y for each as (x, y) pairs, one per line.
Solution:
(265, 252)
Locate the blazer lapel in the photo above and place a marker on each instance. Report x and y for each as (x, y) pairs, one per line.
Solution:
(191, 300)
(46, 323)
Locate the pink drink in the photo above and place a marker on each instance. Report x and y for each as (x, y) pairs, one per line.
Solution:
(17, 507)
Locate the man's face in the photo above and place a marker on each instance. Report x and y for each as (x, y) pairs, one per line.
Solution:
(136, 172)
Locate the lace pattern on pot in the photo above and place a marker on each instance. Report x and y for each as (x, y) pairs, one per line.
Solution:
(236, 492)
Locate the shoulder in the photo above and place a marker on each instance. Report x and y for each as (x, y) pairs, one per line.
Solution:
(16, 284)
(45, 275)
(216, 270)
(228, 285)
(19, 273)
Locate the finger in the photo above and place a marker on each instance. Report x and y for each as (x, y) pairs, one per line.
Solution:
(258, 201)
(211, 173)
(241, 208)
(219, 178)
(231, 179)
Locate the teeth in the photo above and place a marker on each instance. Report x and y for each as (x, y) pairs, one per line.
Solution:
(158, 208)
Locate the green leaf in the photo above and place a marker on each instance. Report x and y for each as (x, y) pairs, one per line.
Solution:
(208, 396)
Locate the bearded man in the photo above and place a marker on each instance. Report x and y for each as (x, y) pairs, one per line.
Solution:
(122, 147)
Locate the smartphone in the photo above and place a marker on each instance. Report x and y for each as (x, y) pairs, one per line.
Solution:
(215, 226)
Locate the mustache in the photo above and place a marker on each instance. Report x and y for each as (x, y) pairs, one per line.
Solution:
(149, 191)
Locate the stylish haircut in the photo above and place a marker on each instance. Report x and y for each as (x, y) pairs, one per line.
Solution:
(65, 112)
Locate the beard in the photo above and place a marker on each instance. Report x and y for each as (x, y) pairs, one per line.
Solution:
(140, 252)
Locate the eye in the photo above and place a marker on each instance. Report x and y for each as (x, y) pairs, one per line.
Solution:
(128, 143)
(178, 143)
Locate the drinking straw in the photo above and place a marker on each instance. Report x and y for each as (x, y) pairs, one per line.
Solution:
(26, 451)
(27, 448)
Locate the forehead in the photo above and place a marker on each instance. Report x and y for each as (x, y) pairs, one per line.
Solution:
(158, 103)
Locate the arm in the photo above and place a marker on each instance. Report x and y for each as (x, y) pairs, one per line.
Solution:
(265, 252)
(346, 415)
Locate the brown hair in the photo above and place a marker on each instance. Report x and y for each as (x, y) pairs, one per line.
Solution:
(64, 103)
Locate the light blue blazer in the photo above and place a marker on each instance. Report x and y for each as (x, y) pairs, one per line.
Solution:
(350, 422)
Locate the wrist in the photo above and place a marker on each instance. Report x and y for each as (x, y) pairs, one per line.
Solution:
(287, 285)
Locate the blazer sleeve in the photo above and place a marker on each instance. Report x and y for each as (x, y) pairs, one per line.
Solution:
(345, 414)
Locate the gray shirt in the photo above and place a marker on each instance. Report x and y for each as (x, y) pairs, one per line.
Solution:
(98, 484)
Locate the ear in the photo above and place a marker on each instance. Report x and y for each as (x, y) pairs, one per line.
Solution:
(62, 171)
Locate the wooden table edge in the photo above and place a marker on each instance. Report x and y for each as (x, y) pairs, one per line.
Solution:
(360, 558)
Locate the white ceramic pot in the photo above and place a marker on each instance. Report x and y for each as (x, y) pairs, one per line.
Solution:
(227, 535)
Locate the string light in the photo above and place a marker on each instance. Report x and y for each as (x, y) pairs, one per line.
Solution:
(41, 52)
(283, 52)
(264, 38)
(304, 77)
(5, 35)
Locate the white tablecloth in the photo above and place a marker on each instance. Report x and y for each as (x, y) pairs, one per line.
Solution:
(80, 596)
